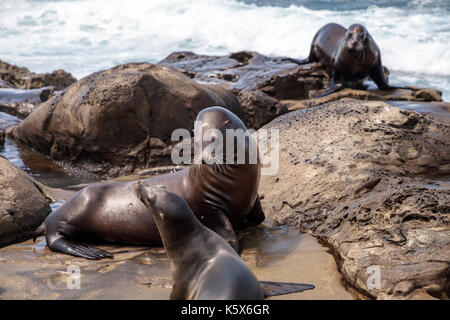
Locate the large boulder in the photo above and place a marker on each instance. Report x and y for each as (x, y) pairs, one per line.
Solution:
(20, 77)
(371, 181)
(22, 205)
(119, 120)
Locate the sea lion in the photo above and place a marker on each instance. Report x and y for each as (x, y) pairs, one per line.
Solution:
(223, 197)
(349, 55)
(202, 263)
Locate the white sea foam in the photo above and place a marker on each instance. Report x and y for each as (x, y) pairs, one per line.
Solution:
(83, 36)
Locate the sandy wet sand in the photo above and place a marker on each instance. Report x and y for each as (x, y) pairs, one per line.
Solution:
(32, 271)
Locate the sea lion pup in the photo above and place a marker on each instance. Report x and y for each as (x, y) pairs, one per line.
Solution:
(203, 265)
(222, 196)
(349, 56)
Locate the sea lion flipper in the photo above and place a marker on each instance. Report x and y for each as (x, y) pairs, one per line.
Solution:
(271, 289)
(332, 88)
(254, 217)
(377, 75)
(220, 224)
(79, 250)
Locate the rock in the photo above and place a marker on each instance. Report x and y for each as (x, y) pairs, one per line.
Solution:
(21, 102)
(4, 84)
(259, 108)
(119, 120)
(2, 137)
(370, 180)
(251, 71)
(23, 208)
(413, 94)
(428, 94)
(258, 81)
(25, 79)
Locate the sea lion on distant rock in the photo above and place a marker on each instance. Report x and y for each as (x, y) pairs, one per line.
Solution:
(203, 265)
(222, 197)
(349, 55)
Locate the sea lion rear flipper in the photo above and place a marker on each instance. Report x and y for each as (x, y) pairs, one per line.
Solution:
(271, 289)
(78, 250)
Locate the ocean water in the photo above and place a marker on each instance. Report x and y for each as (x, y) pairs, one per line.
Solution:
(84, 36)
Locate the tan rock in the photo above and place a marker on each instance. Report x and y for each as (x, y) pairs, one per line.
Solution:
(370, 180)
(22, 206)
(119, 120)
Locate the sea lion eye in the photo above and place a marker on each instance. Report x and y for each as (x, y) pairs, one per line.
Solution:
(151, 198)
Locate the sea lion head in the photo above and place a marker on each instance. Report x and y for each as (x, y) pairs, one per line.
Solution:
(167, 208)
(220, 137)
(356, 37)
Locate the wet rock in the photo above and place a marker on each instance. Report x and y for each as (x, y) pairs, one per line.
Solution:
(372, 181)
(22, 206)
(2, 137)
(248, 70)
(258, 81)
(4, 84)
(19, 77)
(21, 102)
(119, 120)
(413, 94)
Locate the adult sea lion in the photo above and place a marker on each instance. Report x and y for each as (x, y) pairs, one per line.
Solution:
(349, 55)
(222, 196)
(203, 265)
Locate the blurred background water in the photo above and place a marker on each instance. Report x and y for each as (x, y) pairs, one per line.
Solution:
(83, 36)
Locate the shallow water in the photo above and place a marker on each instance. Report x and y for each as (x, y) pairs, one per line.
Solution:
(37, 166)
(83, 36)
(32, 271)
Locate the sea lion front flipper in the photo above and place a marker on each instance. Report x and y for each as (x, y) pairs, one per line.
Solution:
(220, 224)
(254, 217)
(271, 289)
(78, 250)
(377, 75)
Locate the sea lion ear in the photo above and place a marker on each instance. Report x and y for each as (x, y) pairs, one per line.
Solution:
(365, 37)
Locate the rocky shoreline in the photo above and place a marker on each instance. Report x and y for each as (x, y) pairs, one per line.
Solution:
(359, 172)
(372, 181)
